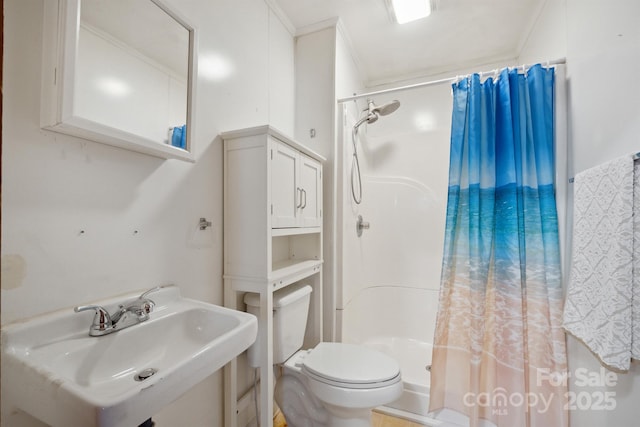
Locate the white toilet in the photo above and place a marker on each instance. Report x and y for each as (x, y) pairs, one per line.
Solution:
(333, 384)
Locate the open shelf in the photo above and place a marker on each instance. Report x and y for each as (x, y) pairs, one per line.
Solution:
(287, 272)
(292, 249)
(276, 232)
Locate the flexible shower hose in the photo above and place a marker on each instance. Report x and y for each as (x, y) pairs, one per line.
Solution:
(355, 170)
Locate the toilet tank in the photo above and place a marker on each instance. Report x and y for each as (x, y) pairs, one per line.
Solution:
(290, 310)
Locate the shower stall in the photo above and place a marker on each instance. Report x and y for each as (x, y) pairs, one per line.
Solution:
(388, 280)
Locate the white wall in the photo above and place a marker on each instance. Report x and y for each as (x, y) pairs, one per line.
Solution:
(348, 81)
(315, 93)
(281, 77)
(548, 37)
(56, 186)
(315, 109)
(601, 41)
(325, 70)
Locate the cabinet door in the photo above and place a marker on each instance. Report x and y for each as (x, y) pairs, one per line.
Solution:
(311, 185)
(285, 195)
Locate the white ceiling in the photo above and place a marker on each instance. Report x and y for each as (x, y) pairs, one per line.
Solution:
(457, 35)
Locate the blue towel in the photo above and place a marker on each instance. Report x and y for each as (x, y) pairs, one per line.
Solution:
(179, 137)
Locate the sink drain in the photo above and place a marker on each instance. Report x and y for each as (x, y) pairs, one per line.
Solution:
(143, 375)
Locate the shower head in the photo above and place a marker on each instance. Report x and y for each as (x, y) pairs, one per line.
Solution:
(375, 111)
(383, 109)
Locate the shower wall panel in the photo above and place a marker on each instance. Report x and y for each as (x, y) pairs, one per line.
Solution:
(404, 162)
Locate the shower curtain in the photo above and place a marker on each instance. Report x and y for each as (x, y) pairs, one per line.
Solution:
(499, 350)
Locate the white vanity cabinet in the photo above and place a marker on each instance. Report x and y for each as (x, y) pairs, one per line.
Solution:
(272, 239)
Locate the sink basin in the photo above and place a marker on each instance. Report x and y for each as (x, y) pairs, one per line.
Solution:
(53, 370)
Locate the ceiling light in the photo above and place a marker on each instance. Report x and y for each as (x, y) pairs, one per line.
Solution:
(410, 10)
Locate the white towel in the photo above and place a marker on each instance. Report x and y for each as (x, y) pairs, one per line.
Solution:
(600, 307)
(635, 307)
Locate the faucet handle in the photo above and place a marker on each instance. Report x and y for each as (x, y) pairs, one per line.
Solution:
(101, 320)
(147, 305)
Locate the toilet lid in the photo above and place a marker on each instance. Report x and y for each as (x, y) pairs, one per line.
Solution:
(351, 364)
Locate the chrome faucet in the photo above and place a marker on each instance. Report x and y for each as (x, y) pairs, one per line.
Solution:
(127, 314)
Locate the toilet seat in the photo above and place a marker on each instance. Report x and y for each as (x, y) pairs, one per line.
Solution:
(348, 380)
(350, 366)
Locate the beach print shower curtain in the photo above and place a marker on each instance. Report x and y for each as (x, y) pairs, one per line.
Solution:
(499, 350)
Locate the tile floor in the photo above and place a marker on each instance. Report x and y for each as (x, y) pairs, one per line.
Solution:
(380, 420)
(377, 420)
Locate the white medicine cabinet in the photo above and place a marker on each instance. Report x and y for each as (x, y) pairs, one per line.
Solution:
(120, 72)
(273, 205)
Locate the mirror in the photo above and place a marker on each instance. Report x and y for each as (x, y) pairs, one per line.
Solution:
(120, 72)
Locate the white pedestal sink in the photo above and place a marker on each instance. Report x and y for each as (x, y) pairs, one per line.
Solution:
(53, 370)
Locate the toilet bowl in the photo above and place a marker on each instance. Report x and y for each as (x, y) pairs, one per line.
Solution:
(337, 385)
(332, 384)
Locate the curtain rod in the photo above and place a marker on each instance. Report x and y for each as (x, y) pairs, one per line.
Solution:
(441, 81)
